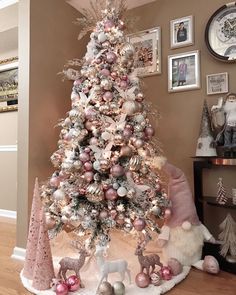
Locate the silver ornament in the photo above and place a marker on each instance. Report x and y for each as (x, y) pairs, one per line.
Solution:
(129, 107)
(122, 191)
(106, 84)
(102, 37)
(127, 50)
(94, 193)
(119, 288)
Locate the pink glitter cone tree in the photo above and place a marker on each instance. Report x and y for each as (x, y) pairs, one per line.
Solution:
(32, 242)
(43, 270)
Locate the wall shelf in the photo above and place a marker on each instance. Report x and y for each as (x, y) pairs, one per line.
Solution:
(212, 201)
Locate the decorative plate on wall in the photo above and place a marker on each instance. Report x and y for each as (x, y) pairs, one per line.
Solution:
(220, 33)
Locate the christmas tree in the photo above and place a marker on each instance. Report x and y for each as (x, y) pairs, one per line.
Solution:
(104, 167)
(228, 236)
(221, 193)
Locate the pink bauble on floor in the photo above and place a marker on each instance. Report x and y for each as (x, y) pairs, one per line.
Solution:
(73, 283)
(62, 289)
(142, 280)
(166, 273)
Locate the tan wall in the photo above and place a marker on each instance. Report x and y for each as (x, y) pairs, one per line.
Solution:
(178, 128)
(45, 98)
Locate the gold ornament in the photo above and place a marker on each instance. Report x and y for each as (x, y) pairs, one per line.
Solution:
(94, 193)
(135, 163)
(127, 50)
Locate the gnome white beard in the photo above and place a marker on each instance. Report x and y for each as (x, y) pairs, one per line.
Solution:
(184, 245)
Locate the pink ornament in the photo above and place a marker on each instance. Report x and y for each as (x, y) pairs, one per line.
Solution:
(139, 224)
(88, 176)
(90, 113)
(166, 273)
(103, 214)
(88, 166)
(108, 25)
(175, 266)
(77, 82)
(126, 151)
(149, 131)
(138, 143)
(87, 150)
(108, 96)
(67, 137)
(113, 213)
(62, 289)
(117, 170)
(73, 283)
(110, 57)
(105, 72)
(127, 133)
(113, 75)
(167, 213)
(142, 280)
(88, 125)
(55, 181)
(123, 84)
(140, 97)
(84, 157)
(111, 194)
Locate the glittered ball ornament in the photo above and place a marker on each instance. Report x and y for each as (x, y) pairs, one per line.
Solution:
(107, 96)
(103, 214)
(139, 224)
(175, 266)
(90, 113)
(73, 283)
(106, 84)
(111, 57)
(55, 181)
(127, 133)
(88, 176)
(84, 157)
(142, 280)
(166, 273)
(119, 288)
(105, 72)
(105, 288)
(129, 107)
(111, 194)
(117, 170)
(59, 195)
(62, 289)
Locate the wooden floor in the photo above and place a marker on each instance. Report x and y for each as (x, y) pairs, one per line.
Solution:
(196, 283)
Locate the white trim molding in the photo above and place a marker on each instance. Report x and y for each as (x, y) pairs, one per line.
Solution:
(8, 148)
(5, 3)
(18, 254)
(7, 213)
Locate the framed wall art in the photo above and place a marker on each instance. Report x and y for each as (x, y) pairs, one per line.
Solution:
(9, 84)
(147, 45)
(181, 32)
(184, 71)
(217, 83)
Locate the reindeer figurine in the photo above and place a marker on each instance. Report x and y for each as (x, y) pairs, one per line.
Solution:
(147, 261)
(107, 267)
(68, 263)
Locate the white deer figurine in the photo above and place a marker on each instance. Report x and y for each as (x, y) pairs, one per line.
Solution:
(107, 267)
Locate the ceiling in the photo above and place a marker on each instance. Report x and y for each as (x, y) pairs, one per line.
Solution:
(78, 4)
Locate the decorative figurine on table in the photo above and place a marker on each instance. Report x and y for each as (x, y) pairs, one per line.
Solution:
(182, 235)
(224, 117)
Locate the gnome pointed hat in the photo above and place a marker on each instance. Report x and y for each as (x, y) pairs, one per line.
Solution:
(182, 204)
(32, 242)
(43, 270)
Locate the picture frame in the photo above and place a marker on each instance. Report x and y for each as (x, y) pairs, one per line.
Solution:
(184, 71)
(181, 32)
(147, 46)
(217, 83)
(9, 84)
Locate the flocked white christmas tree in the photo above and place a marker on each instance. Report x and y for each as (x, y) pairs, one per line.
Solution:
(228, 237)
(104, 177)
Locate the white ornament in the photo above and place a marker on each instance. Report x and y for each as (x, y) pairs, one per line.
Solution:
(59, 195)
(129, 107)
(122, 191)
(106, 135)
(102, 37)
(96, 165)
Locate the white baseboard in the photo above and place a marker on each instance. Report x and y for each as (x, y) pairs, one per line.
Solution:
(18, 254)
(7, 213)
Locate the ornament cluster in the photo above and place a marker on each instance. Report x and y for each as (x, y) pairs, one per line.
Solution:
(103, 175)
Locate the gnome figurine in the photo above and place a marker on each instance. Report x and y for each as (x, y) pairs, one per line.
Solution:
(182, 235)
